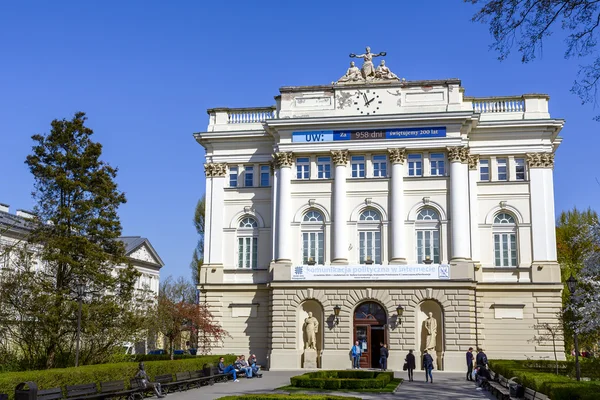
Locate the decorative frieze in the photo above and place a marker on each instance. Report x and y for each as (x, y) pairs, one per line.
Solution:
(283, 159)
(340, 157)
(213, 170)
(460, 154)
(397, 155)
(540, 160)
(473, 161)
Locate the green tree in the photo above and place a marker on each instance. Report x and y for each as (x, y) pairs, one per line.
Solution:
(74, 237)
(198, 255)
(526, 23)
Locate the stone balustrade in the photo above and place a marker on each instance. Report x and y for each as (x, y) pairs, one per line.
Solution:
(527, 106)
(250, 115)
(498, 104)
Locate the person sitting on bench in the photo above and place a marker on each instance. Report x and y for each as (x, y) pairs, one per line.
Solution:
(245, 367)
(144, 381)
(226, 369)
(255, 368)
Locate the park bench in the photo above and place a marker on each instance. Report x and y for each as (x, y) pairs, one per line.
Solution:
(499, 388)
(116, 389)
(50, 394)
(166, 382)
(531, 394)
(85, 391)
(219, 377)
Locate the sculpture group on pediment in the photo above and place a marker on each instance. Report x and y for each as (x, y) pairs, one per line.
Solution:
(368, 73)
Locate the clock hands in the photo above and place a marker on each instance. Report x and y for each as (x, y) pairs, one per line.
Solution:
(370, 101)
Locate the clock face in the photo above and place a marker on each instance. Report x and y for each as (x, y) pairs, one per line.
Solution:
(367, 101)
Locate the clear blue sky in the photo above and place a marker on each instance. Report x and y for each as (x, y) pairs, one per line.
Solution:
(146, 71)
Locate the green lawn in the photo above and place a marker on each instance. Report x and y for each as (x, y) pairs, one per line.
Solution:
(389, 388)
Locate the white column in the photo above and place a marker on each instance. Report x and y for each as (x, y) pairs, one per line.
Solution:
(473, 207)
(397, 253)
(274, 194)
(340, 226)
(215, 204)
(284, 161)
(459, 203)
(543, 228)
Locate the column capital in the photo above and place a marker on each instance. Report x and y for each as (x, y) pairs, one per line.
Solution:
(340, 157)
(283, 159)
(213, 170)
(397, 155)
(458, 154)
(540, 160)
(473, 160)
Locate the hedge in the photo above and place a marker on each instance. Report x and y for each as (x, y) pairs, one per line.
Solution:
(287, 397)
(558, 387)
(61, 377)
(333, 380)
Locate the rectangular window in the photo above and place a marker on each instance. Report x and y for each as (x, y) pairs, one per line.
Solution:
(313, 248)
(520, 169)
(370, 247)
(247, 252)
(358, 166)
(265, 175)
(249, 176)
(380, 166)
(502, 175)
(428, 246)
(233, 176)
(303, 168)
(484, 170)
(438, 167)
(324, 167)
(505, 250)
(415, 165)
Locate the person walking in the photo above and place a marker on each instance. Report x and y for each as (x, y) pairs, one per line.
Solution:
(356, 354)
(410, 364)
(470, 364)
(383, 356)
(428, 366)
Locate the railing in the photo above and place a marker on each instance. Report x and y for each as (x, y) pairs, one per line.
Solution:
(498, 104)
(249, 115)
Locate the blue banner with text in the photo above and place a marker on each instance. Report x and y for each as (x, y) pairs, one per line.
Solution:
(368, 134)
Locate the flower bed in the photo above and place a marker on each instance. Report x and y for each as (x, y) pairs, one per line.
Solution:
(333, 380)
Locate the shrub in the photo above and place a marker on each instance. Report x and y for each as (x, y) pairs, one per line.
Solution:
(333, 380)
(61, 377)
(287, 397)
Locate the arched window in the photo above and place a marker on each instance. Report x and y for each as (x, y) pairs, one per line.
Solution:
(427, 229)
(313, 240)
(505, 240)
(369, 237)
(247, 234)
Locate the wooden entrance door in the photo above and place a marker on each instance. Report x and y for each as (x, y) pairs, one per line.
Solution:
(369, 329)
(362, 333)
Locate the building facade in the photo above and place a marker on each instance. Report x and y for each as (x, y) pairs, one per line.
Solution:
(378, 205)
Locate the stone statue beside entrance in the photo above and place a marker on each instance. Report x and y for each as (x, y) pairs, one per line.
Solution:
(311, 328)
(431, 326)
(367, 73)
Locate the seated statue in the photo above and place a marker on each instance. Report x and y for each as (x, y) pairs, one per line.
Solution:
(352, 75)
(144, 381)
(383, 72)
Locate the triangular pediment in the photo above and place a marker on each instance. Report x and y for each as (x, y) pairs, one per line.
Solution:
(144, 253)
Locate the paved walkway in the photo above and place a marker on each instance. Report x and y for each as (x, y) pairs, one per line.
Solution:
(446, 386)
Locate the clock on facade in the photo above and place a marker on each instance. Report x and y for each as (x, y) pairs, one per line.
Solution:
(367, 101)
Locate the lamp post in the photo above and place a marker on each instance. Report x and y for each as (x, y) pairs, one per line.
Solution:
(80, 286)
(572, 285)
(336, 312)
(399, 311)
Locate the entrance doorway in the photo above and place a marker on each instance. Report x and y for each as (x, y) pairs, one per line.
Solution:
(369, 329)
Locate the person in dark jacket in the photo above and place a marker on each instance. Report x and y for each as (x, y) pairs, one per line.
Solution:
(383, 356)
(470, 364)
(482, 364)
(410, 364)
(226, 369)
(428, 366)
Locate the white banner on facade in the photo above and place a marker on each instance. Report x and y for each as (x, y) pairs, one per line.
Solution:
(371, 272)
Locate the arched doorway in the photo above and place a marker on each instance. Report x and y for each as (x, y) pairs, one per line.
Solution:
(370, 320)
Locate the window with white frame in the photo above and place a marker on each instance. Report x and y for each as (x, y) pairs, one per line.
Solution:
(247, 235)
(502, 169)
(313, 240)
(303, 168)
(233, 176)
(484, 170)
(438, 165)
(369, 237)
(505, 240)
(415, 165)
(249, 175)
(380, 166)
(358, 166)
(265, 175)
(324, 167)
(427, 228)
(520, 169)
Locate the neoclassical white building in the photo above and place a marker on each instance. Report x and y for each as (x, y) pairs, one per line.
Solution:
(382, 201)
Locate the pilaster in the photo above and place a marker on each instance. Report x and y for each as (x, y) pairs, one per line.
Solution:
(215, 203)
(283, 163)
(340, 231)
(458, 158)
(397, 158)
